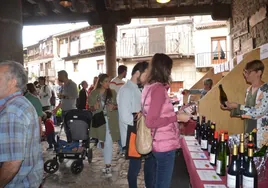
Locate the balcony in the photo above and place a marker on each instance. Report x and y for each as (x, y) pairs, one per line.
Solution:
(130, 48)
(42, 73)
(208, 59)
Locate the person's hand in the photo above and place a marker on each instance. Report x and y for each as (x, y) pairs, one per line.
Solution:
(224, 107)
(231, 105)
(111, 107)
(183, 117)
(97, 106)
(185, 92)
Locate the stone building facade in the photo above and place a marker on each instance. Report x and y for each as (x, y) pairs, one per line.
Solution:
(254, 11)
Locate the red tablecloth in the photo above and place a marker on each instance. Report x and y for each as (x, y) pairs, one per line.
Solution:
(195, 181)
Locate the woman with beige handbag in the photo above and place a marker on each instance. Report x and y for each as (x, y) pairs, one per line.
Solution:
(161, 119)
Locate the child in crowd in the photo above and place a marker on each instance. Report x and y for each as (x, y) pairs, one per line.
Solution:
(50, 132)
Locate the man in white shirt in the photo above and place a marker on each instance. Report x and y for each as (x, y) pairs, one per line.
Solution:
(129, 104)
(117, 82)
(44, 94)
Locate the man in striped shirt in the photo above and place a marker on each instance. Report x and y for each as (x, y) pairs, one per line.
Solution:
(21, 163)
(117, 82)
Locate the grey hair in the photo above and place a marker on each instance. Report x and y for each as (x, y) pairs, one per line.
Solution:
(63, 72)
(16, 71)
(208, 81)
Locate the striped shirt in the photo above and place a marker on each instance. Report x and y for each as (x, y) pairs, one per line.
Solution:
(116, 84)
(20, 140)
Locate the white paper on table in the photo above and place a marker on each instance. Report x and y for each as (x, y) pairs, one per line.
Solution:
(226, 66)
(195, 155)
(231, 64)
(195, 148)
(239, 58)
(192, 143)
(208, 175)
(214, 186)
(189, 138)
(203, 164)
(264, 51)
(215, 69)
(222, 67)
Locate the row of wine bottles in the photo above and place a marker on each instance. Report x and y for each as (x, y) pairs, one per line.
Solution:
(242, 169)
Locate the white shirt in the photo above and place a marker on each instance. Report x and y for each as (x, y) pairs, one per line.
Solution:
(45, 95)
(116, 83)
(129, 101)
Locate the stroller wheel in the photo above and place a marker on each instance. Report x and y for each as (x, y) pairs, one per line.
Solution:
(89, 155)
(77, 166)
(51, 166)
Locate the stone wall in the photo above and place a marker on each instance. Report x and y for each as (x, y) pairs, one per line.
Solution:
(244, 9)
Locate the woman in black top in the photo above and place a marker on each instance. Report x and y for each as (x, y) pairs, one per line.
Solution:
(82, 100)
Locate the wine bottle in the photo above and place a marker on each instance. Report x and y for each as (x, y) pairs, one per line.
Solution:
(250, 175)
(233, 170)
(250, 141)
(211, 136)
(197, 128)
(203, 123)
(262, 151)
(223, 96)
(227, 148)
(204, 139)
(242, 160)
(221, 158)
(214, 150)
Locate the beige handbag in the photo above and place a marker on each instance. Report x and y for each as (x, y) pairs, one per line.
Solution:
(144, 139)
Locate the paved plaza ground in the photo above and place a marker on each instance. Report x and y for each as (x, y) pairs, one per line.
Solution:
(93, 177)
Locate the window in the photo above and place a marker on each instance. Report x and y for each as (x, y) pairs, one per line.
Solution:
(75, 66)
(219, 50)
(100, 66)
(175, 86)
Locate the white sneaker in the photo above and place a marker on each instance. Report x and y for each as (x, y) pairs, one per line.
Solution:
(105, 169)
(108, 172)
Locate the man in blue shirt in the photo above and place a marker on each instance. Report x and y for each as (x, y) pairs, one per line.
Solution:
(21, 163)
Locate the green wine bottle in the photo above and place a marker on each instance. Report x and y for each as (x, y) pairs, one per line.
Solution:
(261, 152)
(221, 158)
(250, 175)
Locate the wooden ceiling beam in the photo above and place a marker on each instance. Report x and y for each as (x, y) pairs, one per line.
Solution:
(124, 16)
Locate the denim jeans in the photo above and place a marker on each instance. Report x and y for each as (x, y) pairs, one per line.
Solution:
(134, 169)
(51, 140)
(66, 128)
(164, 168)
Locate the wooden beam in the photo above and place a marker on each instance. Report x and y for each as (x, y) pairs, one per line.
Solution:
(124, 16)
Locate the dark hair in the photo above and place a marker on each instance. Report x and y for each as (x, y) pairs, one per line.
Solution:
(64, 73)
(42, 78)
(161, 66)
(101, 78)
(255, 65)
(48, 114)
(31, 88)
(80, 86)
(209, 82)
(141, 67)
(121, 69)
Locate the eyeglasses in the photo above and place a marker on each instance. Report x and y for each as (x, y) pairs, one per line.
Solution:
(247, 72)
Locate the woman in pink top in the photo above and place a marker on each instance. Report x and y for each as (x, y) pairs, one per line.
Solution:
(161, 118)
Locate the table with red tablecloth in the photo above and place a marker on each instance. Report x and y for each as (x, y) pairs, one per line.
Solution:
(195, 180)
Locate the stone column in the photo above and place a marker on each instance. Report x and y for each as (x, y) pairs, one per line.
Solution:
(110, 34)
(11, 47)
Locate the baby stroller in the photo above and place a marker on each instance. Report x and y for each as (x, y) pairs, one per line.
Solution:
(78, 122)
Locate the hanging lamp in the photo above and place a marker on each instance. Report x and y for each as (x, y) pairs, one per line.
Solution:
(66, 3)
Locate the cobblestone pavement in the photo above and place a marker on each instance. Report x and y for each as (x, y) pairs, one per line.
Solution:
(91, 176)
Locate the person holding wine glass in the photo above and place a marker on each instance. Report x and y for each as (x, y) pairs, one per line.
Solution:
(102, 98)
(255, 110)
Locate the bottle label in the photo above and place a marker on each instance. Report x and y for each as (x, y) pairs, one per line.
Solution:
(227, 160)
(204, 144)
(218, 167)
(248, 182)
(209, 148)
(231, 181)
(212, 158)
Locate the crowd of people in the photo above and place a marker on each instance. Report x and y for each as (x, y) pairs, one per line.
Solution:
(24, 106)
